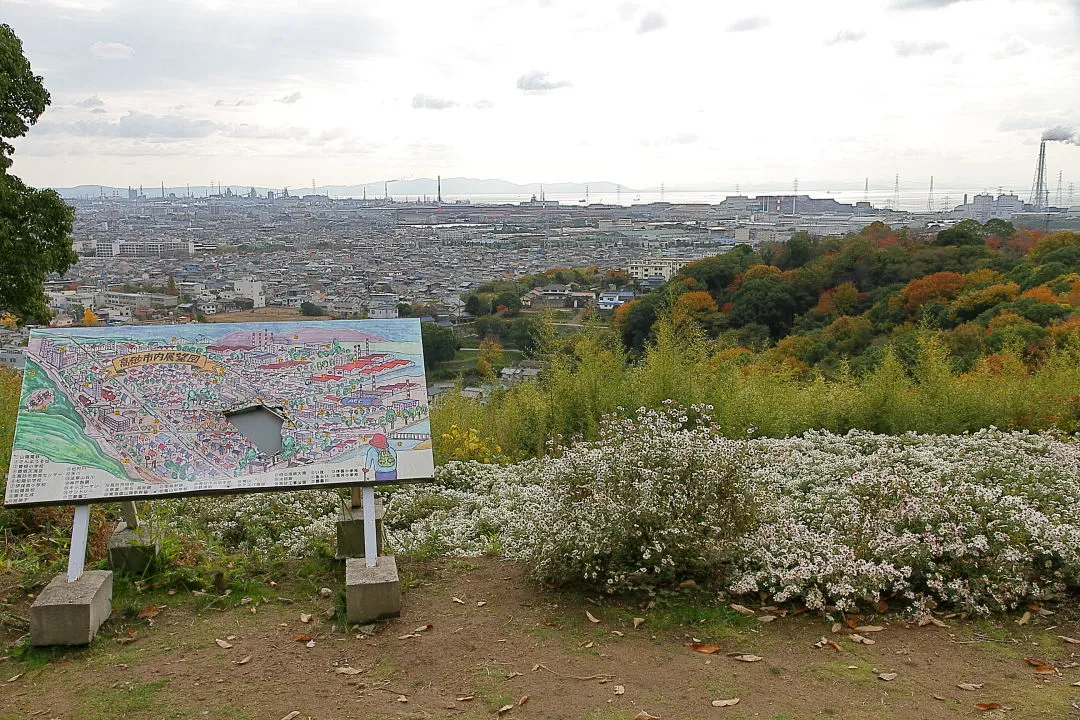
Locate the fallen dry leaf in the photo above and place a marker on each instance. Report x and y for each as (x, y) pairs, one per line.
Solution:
(129, 638)
(301, 638)
(837, 627)
(646, 716)
(707, 648)
(888, 676)
(987, 706)
(826, 642)
(223, 644)
(536, 667)
(931, 620)
(882, 607)
(423, 628)
(244, 661)
(725, 703)
(346, 670)
(766, 618)
(688, 585)
(406, 637)
(616, 633)
(459, 601)
(504, 709)
(1071, 641)
(1045, 670)
(742, 609)
(524, 699)
(969, 686)
(860, 639)
(746, 657)
(402, 699)
(305, 617)
(620, 690)
(1024, 619)
(310, 643)
(481, 603)
(868, 628)
(514, 673)
(592, 618)
(150, 611)
(465, 698)
(291, 715)
(638, 622)
(15, 677)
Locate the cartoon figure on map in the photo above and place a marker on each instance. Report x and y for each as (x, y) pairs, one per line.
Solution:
(381, 458)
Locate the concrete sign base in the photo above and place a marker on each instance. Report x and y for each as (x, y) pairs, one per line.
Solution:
(350, 531)
(69, 613)
(372, 593)
(131, 550)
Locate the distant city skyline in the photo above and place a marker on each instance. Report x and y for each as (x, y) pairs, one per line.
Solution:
(691, 94)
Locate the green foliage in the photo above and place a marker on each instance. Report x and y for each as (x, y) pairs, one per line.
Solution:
(310, 309)
(35, 225)
(440, 344)
(925, 381)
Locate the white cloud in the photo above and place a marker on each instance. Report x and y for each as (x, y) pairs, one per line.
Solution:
(111, 51)
(749, 24)
(651, 21)
(91, 102)
(538, 82)
(846, 36)
(483, 104)
(421, 101)
(1010, 49)
(910, 48)
(291, 98)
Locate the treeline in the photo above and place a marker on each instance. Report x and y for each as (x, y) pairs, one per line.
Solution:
(828, 303)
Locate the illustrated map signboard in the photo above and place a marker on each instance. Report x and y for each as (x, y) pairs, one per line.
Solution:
(135, 412)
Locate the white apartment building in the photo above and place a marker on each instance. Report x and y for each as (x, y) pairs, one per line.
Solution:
(147, 248)
(250, 288)
(657, 267)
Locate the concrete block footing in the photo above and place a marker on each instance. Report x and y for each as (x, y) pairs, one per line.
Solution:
(71, 613)
(372, 593)
(131, 550)
(350, 531)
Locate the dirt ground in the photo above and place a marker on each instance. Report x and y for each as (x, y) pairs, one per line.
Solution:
(475, 637)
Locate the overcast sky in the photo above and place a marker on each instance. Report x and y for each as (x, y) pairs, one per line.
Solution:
(274, 93)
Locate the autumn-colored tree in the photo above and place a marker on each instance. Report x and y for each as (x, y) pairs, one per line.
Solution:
(970, 304)
(170, 287)
(761, 271)
(90, 318)
(838, 301)
(938, 286)
(693, 306)
(487, 359)
(981, 278)
(9, 321)
(1054, 241)
(1041, 294)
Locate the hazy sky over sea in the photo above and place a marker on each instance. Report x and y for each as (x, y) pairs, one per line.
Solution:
(274, 93)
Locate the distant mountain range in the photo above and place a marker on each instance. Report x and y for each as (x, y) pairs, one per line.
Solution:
(456, 187)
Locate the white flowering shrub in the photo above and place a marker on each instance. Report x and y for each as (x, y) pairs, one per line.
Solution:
(656, 499)
(293, 524)
(980, 522)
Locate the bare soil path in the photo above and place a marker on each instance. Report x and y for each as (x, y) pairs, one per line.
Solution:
(496, 640)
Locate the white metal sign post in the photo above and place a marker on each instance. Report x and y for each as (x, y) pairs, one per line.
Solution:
(80, 529)
(371, 551)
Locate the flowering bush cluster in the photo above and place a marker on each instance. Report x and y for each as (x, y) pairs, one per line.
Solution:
(980, 522)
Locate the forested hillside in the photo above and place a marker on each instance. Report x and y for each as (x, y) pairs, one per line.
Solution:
(818, 302)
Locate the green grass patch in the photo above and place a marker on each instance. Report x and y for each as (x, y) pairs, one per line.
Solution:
(110, 703)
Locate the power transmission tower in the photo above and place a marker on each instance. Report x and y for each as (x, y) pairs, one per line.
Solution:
(1059, 195)
(896, 193)
(930, 197)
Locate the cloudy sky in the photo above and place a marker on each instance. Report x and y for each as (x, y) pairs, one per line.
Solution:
(276, 92)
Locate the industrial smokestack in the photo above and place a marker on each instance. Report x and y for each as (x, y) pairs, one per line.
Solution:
(1061, 133)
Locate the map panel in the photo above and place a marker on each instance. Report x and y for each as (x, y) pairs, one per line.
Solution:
(123, 413)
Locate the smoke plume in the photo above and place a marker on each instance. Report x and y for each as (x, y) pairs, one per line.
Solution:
(1061, 133)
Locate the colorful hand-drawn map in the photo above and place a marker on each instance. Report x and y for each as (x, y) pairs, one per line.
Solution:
(121, 413)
